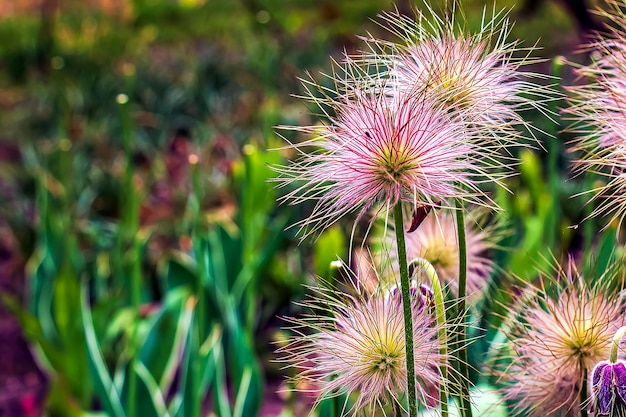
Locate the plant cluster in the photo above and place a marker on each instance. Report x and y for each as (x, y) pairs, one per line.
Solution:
(458, 235)
(416, 136)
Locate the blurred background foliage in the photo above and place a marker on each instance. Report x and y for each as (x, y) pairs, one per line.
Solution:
(153, 261)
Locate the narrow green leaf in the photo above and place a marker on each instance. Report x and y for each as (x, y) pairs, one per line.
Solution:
(167, 332)
(175, 408)
(250, 269)
(104, 385)
(181, 271)
(206, 350)
(220, 388)
(242, 392)
(241, 356)
(49, 355)
(158, 402)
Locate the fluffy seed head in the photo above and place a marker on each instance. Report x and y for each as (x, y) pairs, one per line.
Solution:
(565, 326)
(422, 120)
(575, 328)
(598, 112)
(377, 150)
(541, 388)
(476, 76)
(436, 241)
(461, 75)
(359, 348)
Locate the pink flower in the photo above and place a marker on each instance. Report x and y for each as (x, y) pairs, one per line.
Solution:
(436, 241)
(556, 334)
(463, 75)
(599, 114)
(425, 120)
(476, 76)
(358, 348)
(539, 388)
(381, 151)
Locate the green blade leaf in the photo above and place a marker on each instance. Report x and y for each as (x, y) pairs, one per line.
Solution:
(158, 403)
(166, 336)
(104, 385)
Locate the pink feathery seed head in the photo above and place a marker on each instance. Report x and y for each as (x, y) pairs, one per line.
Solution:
(567, 325)
(478, 77)
(599, 108)
(598, 112)
(539, 388)
(377, 150)
(436, 240)
(462, 75)
(358, 349)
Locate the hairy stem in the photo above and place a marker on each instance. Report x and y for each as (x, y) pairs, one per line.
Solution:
(440, 310)
(461, 346)
(583, 392)
(407, 311)
(619, 334)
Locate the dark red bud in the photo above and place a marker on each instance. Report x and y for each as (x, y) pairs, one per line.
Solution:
(419, 215)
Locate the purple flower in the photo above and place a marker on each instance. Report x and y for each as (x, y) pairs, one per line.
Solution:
(608, 388)
(421, 297)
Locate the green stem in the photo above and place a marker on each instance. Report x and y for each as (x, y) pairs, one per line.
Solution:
(461, 333)
(554, 150)
(619, 334)
(406, 305)
(583, 391)
(336, 406)
(441, 323)
(135, 295)
(199, 247)
(129, 228)
(199, 317)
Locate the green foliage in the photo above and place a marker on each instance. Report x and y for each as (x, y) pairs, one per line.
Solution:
(140, 304)
(330, 246)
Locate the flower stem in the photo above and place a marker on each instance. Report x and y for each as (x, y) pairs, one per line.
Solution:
(461, 335)
(583, 392)
(406, 304)
(201, 275)
(619, 334)
(129, 228)
(441, 322)
(135, 295)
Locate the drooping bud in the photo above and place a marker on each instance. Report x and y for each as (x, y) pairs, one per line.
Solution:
(419, 214)
(421, 296)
